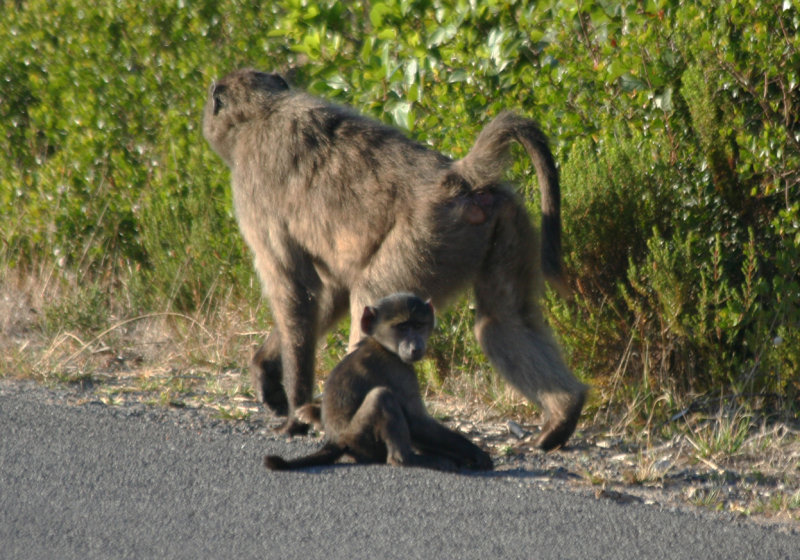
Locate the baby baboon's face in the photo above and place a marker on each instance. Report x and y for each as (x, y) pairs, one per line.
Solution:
(401, 323)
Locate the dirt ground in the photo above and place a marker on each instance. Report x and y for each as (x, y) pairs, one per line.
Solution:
(759, 485)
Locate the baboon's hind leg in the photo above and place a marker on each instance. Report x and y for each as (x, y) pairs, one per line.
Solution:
(510, 328)
(529, 358)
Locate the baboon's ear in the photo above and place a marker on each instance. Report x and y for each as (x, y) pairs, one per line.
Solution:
(368, 320)
(271, 82)
(429, 305)
(278, 82)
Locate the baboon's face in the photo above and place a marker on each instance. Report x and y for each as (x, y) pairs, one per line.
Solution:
(402, 324)
(237, 98)
(412, 338)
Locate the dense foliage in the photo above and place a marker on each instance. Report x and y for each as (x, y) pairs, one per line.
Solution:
(676, 125)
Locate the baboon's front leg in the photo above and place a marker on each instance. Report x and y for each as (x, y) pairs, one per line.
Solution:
(301, 317)
(266, 374)
(295, 311)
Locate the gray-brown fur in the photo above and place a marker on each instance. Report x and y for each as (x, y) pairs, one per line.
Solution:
(372, 409)
(340, 210)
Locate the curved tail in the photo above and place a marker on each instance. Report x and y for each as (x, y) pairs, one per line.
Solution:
(488, 161)
(327, 455)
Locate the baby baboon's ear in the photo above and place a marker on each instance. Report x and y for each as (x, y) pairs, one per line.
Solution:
(368, 319)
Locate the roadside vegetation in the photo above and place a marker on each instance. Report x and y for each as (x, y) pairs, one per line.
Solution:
(676, 125)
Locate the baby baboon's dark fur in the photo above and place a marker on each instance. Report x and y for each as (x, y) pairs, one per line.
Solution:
(372, 409)
(340, 210)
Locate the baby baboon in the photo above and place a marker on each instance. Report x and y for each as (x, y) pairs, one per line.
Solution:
(340, 210)
(372, 409)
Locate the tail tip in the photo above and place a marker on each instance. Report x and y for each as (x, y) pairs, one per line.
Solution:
(274, 463)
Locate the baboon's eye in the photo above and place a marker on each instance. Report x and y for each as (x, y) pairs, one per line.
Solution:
(410, 325)
(219, 103)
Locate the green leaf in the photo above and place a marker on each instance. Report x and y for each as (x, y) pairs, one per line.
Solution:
(377, 14)
(401, 114)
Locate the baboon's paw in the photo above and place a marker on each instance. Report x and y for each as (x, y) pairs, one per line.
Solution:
(294, 427)
(483, 462)
(269, 393)
(558, 428)
(310, 413)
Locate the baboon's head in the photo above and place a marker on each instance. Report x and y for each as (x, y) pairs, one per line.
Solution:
(237, 98)
(401, 323)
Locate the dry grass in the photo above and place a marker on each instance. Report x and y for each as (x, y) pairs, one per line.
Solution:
(164, 357)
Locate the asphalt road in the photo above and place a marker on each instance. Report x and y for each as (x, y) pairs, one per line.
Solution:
(91, 481)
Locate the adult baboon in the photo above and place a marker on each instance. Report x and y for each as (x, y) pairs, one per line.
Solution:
(340, 210)
(372, 409)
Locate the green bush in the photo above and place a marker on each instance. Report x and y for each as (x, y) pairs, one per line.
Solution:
(675, 122)
(695, 144)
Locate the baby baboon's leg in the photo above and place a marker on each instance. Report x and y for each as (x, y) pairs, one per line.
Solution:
(434, 439)
(378, 432)
(310, 413)
(512, 333)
